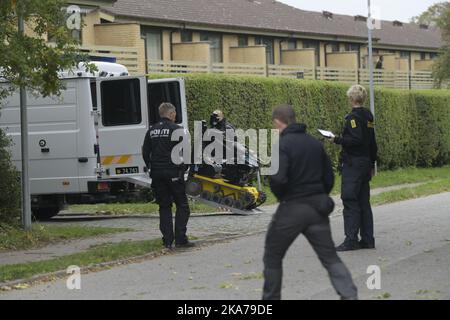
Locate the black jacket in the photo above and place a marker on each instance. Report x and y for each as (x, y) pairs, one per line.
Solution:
(305, 168)
(158, 146)
(358, 138)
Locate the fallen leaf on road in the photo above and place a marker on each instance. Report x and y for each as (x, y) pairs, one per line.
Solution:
(385, 295)
(21, 286)
(226, 286)
(408, 243)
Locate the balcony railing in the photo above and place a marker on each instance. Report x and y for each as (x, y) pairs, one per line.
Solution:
(385, 78)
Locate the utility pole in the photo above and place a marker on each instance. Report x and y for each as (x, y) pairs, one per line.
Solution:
(26, 198)
(371, 66)
(371, 26)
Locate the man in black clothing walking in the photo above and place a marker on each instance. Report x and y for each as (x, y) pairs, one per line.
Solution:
(302, 185)
(167, 178)
(358, 163)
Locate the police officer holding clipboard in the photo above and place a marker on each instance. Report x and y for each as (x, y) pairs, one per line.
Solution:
(359, 155)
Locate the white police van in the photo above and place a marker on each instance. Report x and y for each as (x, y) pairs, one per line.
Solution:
(85, 145)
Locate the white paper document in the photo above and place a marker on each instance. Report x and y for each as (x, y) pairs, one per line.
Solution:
(327, 134)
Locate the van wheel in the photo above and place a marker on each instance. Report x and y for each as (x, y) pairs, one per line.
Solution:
(43, 214)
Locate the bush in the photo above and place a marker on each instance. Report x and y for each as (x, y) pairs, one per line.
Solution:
(9, 185)
(413, 127)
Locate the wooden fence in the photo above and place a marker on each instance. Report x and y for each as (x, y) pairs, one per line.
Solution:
(384, 78)
(129, 57)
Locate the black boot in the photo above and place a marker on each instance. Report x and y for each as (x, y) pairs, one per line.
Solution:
(273, 279)
(366, 245)
(348, 246)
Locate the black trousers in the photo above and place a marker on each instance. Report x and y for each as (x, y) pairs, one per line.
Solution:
(292, 219)
(358, 216)
(167, 191)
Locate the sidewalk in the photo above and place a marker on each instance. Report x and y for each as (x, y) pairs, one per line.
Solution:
(147, 227)
(413, 254)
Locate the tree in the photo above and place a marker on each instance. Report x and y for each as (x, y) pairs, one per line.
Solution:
(28, 60)
(432, 14)
(9, 185)
(438, 15)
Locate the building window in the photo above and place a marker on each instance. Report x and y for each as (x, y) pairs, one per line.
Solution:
(335, 47)
(351, 47)
(311, 44)
(292, 44)
(243, 41)
(268, 42)
(215, 40)
(433, 56)
(153, 39)
(121, 102)
(186, 36)
(404, 54)
(423, 56)
(75, 34)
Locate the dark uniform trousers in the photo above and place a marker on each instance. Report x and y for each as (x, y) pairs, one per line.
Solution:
(168, 191)
(292, 219)
(358, 216)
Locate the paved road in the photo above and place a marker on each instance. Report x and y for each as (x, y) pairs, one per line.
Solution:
(147, 226)
(413, 253)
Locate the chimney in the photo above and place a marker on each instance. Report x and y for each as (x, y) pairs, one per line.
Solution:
(327, 14)
(360, 18)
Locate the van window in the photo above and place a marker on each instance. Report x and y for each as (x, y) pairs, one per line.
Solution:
(121, 102)
(94, 95)
(163, 92)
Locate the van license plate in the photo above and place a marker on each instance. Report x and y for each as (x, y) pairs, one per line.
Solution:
(129, 170)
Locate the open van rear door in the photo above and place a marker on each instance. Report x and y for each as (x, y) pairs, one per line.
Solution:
(122, 125)
(167, 90)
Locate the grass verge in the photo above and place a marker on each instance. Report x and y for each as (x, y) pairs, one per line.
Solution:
(13, 238)
(382, 180)
(386, 179)
(95, 255)
(424, 190)
(113, 209)
(117, 209)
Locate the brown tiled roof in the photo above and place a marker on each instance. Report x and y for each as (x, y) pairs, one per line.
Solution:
(270, 15)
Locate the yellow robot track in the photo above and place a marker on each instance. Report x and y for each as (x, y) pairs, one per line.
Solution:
(220, 193)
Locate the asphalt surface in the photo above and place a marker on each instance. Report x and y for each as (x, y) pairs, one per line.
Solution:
(204, 226)
(413, 239)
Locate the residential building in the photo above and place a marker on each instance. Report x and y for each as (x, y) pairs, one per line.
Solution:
(263, 37)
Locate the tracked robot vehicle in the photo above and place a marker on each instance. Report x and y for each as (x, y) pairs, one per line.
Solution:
(228, 184)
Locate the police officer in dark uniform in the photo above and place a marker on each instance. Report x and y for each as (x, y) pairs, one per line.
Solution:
(302, 185)
(358, 163)
(168, 178)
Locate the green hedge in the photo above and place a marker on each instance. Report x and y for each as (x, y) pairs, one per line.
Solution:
(413, 127)
(9, 184)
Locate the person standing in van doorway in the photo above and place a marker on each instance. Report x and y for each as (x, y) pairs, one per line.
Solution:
(167, 178)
